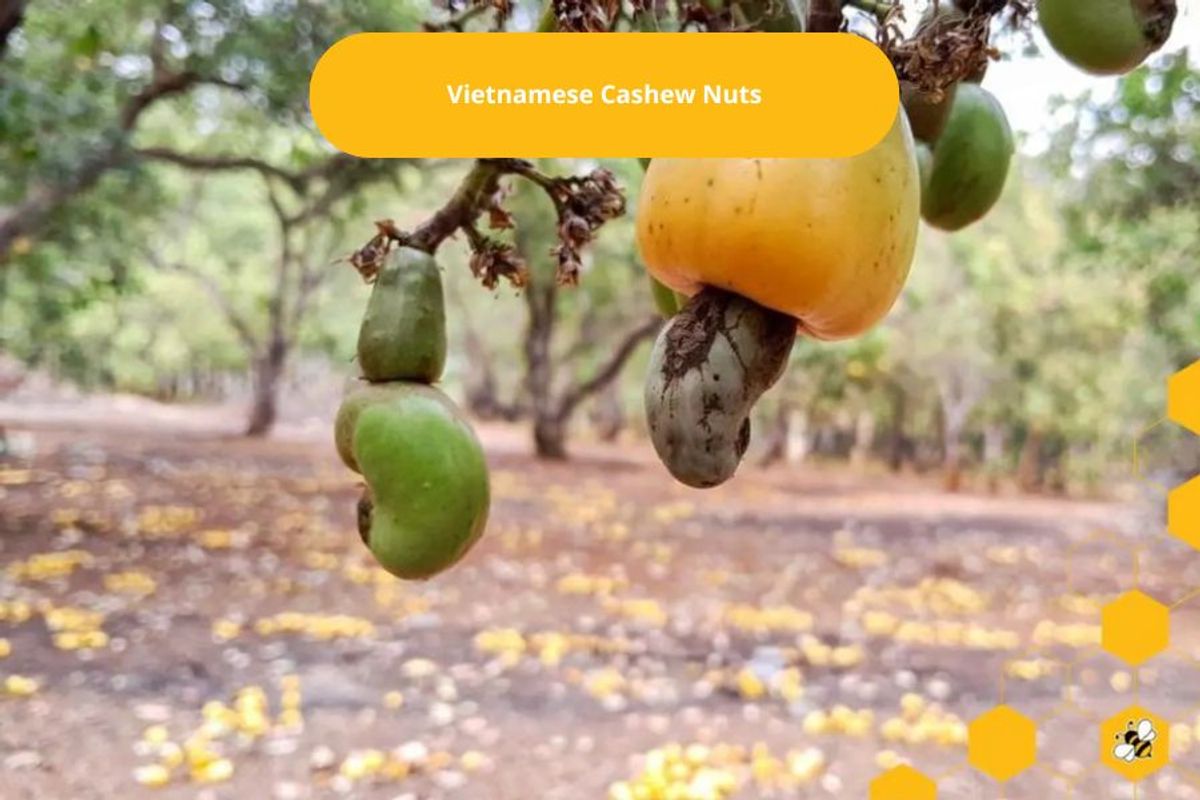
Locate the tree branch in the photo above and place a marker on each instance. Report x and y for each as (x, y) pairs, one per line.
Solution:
(220, 299)
(824, 16)
(12, 14)
(582, 203)
(42, 200)
(221, 163)
(611, 369)
(457, 21)
(166, 84)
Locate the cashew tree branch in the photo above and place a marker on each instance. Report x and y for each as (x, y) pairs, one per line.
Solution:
(582, 204)
(44, 199)
(608, 372)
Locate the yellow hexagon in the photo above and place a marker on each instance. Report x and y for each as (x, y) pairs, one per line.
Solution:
(1135, 743)
(1135, 627)
(903, 783)
(1183, 397)
(1183, 512)
(1002, 743)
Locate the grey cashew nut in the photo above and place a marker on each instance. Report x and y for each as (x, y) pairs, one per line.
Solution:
(709, 366)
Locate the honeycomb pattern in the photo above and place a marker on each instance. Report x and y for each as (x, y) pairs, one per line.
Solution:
(1183, 512)
(903, 783)
(1140, 755)
(1135, 743)
(1135, 627)
(1183, 398)
(1002, 743)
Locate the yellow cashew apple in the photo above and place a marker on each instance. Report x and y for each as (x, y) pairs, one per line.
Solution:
(827, 241)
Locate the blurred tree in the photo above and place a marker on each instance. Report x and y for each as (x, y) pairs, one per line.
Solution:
(101, 76)
(612, 316)
(218, 88)
(307, 242)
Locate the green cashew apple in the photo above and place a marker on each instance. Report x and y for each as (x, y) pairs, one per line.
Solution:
(970, 161)
(667, 301)
(1107, 37)
(403, 332)
(927, 113)
(709, 366)
(427, 496)
(924, 165)
(365, 395)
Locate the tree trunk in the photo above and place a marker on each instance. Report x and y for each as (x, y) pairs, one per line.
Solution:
(268, 370)
(549, 432)
(799, 442)
(550, 437)
(776, 449)
(953, 423)
(1029, 469)
(993, 454)
(608, 413)
(897, 445)
(864, 438)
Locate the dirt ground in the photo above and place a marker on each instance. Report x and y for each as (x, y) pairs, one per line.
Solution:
(190, 614)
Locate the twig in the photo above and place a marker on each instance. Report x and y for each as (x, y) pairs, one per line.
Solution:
(457, 21)
(824, 16)
(628, 346)
(583, 204)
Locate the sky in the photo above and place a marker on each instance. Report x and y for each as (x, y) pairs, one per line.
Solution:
(1026, 85)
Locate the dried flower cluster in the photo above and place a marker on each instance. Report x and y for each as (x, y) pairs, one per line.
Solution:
(369, 258)
(492, 259)
(586, 16)
(461, 12)
(945, 49)
(951, 44)
(583, 204)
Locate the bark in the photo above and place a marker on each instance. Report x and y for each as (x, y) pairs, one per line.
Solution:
(993, 454)
(799, 442)
(954, 421)
(268, 370)
(12, 14)
(1029, 468)
(549, 434)
(608, 413)
(864, 438)
(959, 389)
(777, 438)
(898, 448)
(952, 460)
(550, 437)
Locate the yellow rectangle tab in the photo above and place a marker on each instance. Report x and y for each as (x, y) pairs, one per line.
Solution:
(480, 95)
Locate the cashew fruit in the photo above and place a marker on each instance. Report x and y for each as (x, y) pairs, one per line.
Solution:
(403, 332)
(427, 496)
(924, 165)
(927, 113)
(970, 161)
(1107, 37)
(365, 395)
(666, 301)
(710, 364)
(828, 242)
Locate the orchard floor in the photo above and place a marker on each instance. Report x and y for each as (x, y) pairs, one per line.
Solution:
(607, 613)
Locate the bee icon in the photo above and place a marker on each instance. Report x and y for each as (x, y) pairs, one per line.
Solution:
(1136, 743)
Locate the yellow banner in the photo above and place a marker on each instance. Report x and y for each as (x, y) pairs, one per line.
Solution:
(732, 95)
